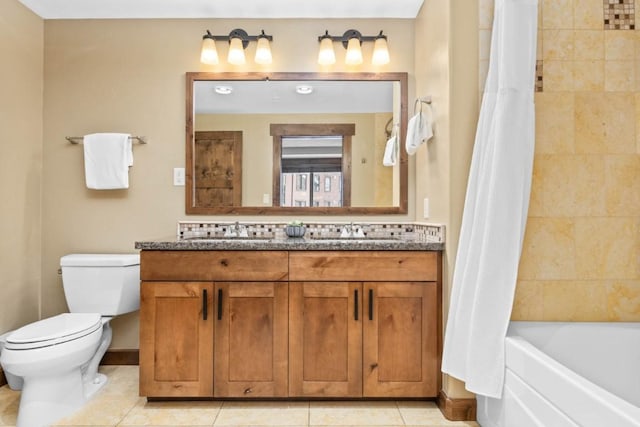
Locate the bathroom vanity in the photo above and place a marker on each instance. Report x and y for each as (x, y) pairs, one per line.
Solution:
(290, 318)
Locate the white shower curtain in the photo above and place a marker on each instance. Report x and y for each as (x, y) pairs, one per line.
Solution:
(495, 210)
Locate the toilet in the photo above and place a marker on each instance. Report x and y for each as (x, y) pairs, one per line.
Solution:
(55, 360)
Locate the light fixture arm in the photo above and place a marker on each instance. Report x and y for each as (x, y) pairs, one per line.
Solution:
(350, 34)
(240, 34)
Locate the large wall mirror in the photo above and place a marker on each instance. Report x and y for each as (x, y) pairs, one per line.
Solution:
(295, 143)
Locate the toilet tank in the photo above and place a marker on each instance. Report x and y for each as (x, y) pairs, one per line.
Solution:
(108, 284)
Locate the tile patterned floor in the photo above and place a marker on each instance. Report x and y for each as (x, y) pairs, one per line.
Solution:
(118, 404)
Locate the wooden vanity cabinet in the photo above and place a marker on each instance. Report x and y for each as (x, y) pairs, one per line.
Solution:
(235, 345)
(290, 324)
(369, 329)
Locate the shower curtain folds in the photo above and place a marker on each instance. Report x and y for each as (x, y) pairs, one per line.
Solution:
(496, 204)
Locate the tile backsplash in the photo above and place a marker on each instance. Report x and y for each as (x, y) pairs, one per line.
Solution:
(275, 230)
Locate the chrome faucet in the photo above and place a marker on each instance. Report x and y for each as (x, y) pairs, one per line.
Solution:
(347, 230)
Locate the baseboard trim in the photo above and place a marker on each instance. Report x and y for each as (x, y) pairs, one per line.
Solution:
(457, 409)
(121, 357)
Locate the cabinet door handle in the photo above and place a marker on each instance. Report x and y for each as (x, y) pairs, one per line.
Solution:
(219, 304)
(370, 304)
(205, 304)
(355, 304)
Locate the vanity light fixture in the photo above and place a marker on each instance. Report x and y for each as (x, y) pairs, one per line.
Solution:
(352, 41)
(238, 41)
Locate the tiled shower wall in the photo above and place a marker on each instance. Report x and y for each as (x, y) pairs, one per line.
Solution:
(581, 255)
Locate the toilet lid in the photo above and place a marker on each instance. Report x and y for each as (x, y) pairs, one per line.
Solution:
(54, 330)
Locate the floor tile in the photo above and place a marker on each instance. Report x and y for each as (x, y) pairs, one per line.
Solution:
(172, 413)
(354, 414)
(263, 414)
(9, 400)
(422, 413)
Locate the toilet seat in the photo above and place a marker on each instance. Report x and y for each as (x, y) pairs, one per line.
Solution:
(54, 330)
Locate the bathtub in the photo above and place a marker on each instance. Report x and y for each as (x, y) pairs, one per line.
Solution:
(568, 374)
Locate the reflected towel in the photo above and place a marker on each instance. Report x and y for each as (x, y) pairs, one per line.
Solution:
(419, 131)
(107, 157)
(390, 152)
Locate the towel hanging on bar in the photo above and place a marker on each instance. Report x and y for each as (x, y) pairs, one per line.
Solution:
(78, 139)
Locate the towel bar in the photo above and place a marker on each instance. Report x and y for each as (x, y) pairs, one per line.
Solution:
(78, 139)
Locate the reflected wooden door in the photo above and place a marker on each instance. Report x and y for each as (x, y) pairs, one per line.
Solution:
(218, 168)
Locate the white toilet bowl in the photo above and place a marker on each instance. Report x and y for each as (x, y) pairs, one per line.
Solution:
(52, 356)
(57, 358)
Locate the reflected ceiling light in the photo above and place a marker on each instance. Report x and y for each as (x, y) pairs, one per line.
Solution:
(304, 89)
(223, 90)
(352, 41)
(238, 41)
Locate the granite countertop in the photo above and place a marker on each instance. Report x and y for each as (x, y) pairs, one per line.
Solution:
(289, 244)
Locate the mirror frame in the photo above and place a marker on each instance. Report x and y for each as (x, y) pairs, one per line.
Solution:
(190, 209)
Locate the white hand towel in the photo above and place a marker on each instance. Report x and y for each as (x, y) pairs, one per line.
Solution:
(107, 157)
(419, 131)
(389, 158)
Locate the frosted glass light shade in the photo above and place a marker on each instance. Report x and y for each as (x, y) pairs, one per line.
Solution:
(354, 53)
(263, 51)
(380, 52)
(209, 54)
(326, 55)
(236, 52)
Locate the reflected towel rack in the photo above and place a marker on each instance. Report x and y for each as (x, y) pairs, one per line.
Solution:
(78, 139)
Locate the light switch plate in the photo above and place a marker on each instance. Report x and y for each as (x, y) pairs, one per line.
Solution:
(425, 208)
(266, 198)
(178, 177)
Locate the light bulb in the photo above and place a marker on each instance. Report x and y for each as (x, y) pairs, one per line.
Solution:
(354, 53)
(236, 52)
(380, 52)
(263, 51)
(209, 54)
(326, 55)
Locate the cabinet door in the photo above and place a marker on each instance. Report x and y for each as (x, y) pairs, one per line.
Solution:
(176, 339)
(325, 341)
(400, 329)
(251, 339)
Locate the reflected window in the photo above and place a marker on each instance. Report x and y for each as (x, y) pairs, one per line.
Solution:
(314, 154)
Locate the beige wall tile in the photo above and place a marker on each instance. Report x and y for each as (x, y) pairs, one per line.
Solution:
(539, 45)
(604, 123)
(548, 250)
(574, 301)
(607, 248)
(622, 184)
(619, 45)
(557, 14)
(528, 301)
(588, 45)
(637, 121)
(572, 185)
(557, 44)
(558, 76)
(483, 70)
(588, 76)
(619, 76)
(623, 301)
(555, 118)
(588, 14)
(536, 205)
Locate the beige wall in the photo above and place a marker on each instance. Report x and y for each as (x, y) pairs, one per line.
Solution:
(128, 76)
(446, 63)
(21, 44)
